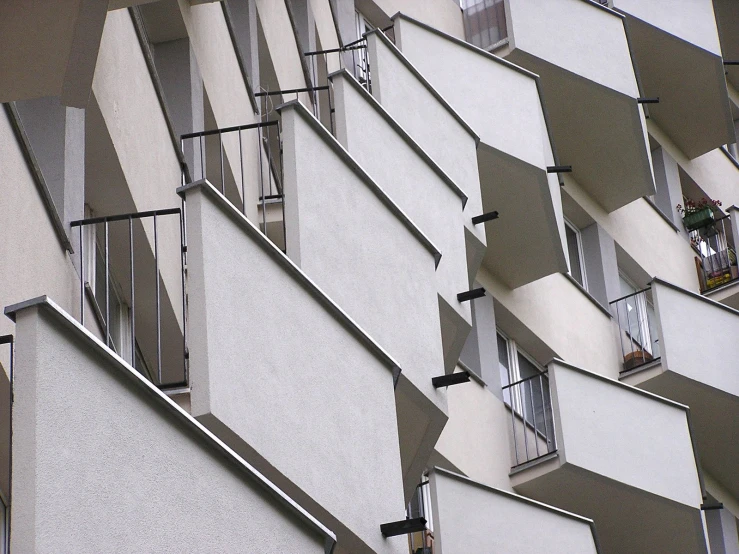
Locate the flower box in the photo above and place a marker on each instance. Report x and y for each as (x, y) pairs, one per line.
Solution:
(696, 220)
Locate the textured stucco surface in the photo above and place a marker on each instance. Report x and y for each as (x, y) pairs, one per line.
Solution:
(286, 384)
(474, 518)
(121, 474)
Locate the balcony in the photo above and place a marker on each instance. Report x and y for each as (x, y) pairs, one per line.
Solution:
(516, 163)
(473, 517)
(612, 442)
(678, 56)
(284, 406)
(698, 349)
(716, 262)
(420, 188)
(90, 432)
(728, 28)
(581, 54)
(343, 226)
(439, 130)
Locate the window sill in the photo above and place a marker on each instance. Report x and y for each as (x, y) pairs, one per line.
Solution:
(589, 296)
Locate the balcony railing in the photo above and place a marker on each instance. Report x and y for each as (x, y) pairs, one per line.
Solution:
(121, 282)
(224, 157)
(352, 56)
(716, 262)
(637, 334)
(484, 22)
(420, 506)
(532, 421)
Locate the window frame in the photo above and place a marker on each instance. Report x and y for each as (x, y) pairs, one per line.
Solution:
(580, 253)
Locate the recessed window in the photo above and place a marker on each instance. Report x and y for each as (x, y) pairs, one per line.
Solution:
(575, 252)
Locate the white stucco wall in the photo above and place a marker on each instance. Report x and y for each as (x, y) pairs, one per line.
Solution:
(715, 329)
(470, 517)
(562, 316)
(101, 465)
(689, 20)
(282, 380)
(429, 121)
(595, 424)
(395, 164)
(444, 15)
(355, 248)
(573, 35)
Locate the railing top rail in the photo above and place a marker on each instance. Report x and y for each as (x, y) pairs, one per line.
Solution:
(229, 129)
(350, 44)
(290, 91)
(538, 375)
(121, 217)
(629, 295)
(335, 50)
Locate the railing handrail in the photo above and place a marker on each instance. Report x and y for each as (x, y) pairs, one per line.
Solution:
(290, 91)
(335, 50)
(542, 374)
(229, 129)
(122, 217)
(630, 295)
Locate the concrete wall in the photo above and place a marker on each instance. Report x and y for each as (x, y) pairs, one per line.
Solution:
(596, 430)
(471, 517)
(397, 165)
(689, 20)
(339, 230)
(34, 261)
(475, 439)
(444, 15)
(282, 379)
(101, 464)
(501, 104)
(573, 35)
(564, 318)
(698, 338)
(427, 118)
(283, 48)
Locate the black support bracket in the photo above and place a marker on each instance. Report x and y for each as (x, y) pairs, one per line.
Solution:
(451, 379)
(645, 100)
(484, 217)
(471, 295)
(717, 506)
(403, 527)
(559, 169)
(731, 62)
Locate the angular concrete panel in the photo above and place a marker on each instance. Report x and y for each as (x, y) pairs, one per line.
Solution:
(435, 126)
(283, 376)
(473, 517)
(104, 462)
(598, 127)
(503, 105)
(625, 459)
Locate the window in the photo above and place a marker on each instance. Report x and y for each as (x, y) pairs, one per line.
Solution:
(484, 22)
(636, 318)
(574, 249)
(359, 57)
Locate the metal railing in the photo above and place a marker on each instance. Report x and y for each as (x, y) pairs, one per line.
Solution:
(5, 502)
(420, 506)
(263, 163)
(716, 263)
(484, 22)
(532, 418)
(637, 334)
(359, 65)
(104, 268)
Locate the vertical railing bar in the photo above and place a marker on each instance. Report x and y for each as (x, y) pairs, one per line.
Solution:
(241, 170)
(628, 326)
(620, 332)
(513, 423)
(638, 300)
(202, 162)
(182, 168)
(282, 185)
(158, 306)
(223, 172)
(133, 293)
(544, 411)
(523, 419)
(82, 278)
(108, 338)
(261, 182)
(533, 414)
(183, 257)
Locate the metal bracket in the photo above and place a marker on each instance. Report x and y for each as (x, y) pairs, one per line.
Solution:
(559, 169)
(717, 506)
(471, 295)
(484, 217)
(451, 379)
(403, 527)
(645, 100)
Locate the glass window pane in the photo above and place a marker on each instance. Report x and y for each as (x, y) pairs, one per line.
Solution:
(573, 248)
(504, 367)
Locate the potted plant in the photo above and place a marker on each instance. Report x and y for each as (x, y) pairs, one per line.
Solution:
(697, 214)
